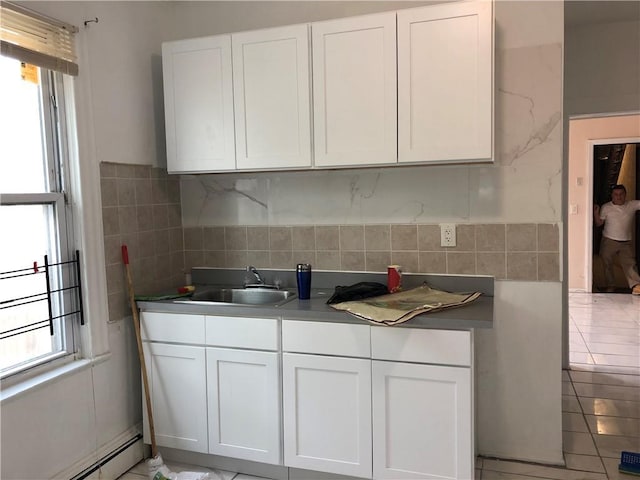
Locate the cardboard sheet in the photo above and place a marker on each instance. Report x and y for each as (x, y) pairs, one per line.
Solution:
(396, 308)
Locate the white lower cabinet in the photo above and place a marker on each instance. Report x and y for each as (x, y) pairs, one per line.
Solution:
(422, 417)
(357, 400)
(327, 413)
(243, 391)
(178, 396)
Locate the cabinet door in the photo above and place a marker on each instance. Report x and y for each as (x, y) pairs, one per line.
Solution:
(327, 414)
(198, 98)
(354, 90)
(244, 404)
(177, 376)
(271, 97)
(445, 83)
(422, 421)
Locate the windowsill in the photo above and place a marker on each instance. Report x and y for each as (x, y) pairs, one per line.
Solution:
(32, 383)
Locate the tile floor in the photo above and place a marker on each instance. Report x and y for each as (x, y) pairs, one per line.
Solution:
(600, 401)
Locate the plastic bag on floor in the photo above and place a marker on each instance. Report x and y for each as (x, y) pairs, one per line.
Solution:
(159, 471)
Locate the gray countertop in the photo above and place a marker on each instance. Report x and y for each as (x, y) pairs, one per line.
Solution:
(477, 314)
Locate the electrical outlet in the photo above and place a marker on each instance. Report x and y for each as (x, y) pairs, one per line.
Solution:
(447, 234)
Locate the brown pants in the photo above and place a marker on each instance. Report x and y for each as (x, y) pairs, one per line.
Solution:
(624, 250)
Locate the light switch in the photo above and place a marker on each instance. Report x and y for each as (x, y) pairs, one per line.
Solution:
(573, 209)
(579, 181)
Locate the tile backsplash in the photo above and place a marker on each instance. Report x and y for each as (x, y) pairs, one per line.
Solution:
(141, 207)
(506, 251)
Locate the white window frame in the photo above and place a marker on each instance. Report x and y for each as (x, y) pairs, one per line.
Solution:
(61, 240)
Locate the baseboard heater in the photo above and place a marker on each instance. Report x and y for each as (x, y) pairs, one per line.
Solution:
(107, 458)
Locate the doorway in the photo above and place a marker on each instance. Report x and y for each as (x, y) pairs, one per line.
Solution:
(584, 134)
(613, 164)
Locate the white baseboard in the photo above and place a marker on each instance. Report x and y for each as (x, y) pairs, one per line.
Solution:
(114, 467)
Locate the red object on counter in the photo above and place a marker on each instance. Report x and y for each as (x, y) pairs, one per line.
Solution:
(394, 278)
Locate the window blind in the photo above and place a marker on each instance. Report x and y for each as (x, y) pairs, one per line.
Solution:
(33, 38)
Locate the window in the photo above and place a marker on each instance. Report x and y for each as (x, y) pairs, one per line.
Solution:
(35, 218)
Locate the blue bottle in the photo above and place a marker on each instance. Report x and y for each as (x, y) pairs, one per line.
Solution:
(303, 275)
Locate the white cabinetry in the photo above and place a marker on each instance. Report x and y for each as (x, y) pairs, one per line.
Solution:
(408, 86)
(327, 399)
(198, 99)
(272, 98)
(421, 419)
(176, 380)
(244, 420)
(354, 90)
(243, 388)
(356, 400)
(445, 82)
(214, 384)
(422, 414)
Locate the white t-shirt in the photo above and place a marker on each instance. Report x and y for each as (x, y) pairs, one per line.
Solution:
(618, 219)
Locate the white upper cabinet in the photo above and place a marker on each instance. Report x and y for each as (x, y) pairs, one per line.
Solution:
(354, 90)
(408, 86)
(445, 83)
(272, 98)
(198, 97)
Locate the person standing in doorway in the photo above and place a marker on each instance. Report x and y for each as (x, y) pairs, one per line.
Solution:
(617, 217)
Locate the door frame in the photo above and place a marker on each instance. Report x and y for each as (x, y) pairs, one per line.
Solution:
(589, 189)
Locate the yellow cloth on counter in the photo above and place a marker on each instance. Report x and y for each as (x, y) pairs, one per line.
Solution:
(396, 308)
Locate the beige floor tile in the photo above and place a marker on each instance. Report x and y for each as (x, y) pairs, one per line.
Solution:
(595, 319)
(604, 378)
(567, 388)
(610, 408)
(577, 343)
(132, 476)
(611, 446)
(587, 463)
(611, 465)
(580, 443)
(607, 336)
(574, 422)
(612, 392)
(607, 369)
(140, 468)
(581, 358)
(539, 471)
(631, 350)
(603, 425)
(588, 330)
(618, 360)
(570, 404)
(491, 475)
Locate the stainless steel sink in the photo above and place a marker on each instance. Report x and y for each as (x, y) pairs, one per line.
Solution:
(242, 296)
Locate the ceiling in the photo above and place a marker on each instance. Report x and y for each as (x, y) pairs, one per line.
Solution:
(590, 12)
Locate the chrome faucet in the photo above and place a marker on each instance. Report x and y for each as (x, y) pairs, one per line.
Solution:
(258, 278)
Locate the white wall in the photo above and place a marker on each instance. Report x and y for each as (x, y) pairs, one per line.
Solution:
(602, 68)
